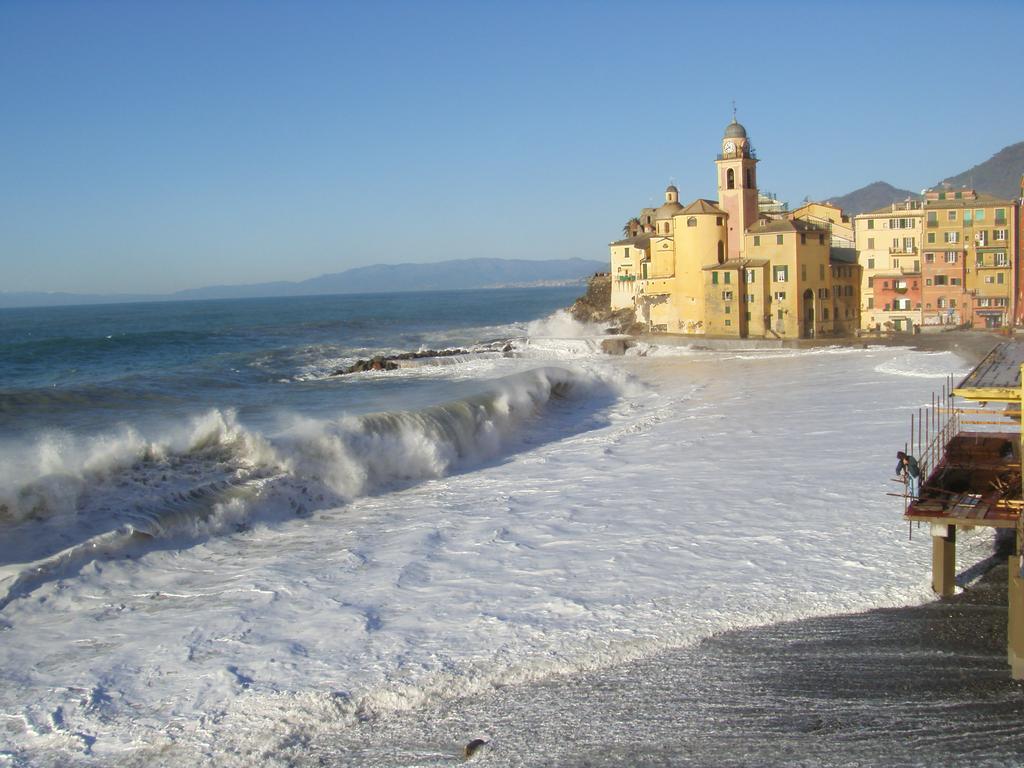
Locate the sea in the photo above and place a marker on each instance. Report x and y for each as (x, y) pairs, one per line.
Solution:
(216, 549)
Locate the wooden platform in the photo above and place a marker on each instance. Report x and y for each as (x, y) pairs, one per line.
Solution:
(977, 483)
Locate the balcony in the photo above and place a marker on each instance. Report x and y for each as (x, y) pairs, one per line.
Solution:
(904, 250)
(751, 153)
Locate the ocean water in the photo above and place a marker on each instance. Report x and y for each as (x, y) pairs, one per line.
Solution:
(214, 552)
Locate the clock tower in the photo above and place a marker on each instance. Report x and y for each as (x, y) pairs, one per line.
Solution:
(737, 184)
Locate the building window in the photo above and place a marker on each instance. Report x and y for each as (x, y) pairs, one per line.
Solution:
(757, 239)
(728, 309)
(780, 295)
(952, 237)
(871, 223)
(999, 277)
(721, 252)
(751, 276)
(931, 237)
(871, 282)
(955, 281)
(778, 239)
(750, 298)
(728, 322)
(803, 272)
(941, 303)
(730, 179)
(871, 302)
(999, 234)
(871, 243)
(728, 277)
(726, 295)
(746, 315)
(692, 221)
(927, 281)
(821, 239)
(718, 220)
(951, 215)
(714, 278)
(780, 274)
(940, 279)
(779, 315)
(871, 263)
(933, 218)
(988, 279)
(929, 258)
(951, 257)
(821, 271)
(1000, 215)
(979, 260)
(1001, 260)
(979, 215)
(750, 184)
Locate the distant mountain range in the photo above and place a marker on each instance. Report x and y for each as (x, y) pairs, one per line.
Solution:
(382, 278)
(999, 176)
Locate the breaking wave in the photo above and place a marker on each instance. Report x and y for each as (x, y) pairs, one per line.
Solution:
(68, 501)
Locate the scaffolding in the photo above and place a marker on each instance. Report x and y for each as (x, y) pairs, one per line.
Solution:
(968, 444)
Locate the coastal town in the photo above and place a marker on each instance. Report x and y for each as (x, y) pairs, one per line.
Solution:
(746, 266)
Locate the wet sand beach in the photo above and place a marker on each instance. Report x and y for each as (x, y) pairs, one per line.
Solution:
(918, 686)
(924, 685)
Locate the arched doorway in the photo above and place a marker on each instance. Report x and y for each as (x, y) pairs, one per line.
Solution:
(808, 329)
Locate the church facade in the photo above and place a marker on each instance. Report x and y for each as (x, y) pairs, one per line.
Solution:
(725, 268)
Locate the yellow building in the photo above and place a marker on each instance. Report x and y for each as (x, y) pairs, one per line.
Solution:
(800, 274)
(724, 269)
(829, 216)
(969, 248)
(670, 293)
(889, 254)
(846, 282)
(627, 257)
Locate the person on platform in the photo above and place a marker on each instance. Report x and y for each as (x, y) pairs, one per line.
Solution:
(909, 470)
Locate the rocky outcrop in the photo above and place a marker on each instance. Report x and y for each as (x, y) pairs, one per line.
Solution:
(595, 306)
(391, 362)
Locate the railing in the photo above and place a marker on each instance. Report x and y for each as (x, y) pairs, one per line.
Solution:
(934, 427)
(751, 153)
(932, 431)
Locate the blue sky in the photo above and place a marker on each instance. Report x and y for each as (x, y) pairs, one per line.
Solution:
(147, 147)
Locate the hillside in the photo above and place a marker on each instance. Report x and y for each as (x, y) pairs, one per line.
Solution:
(875, 195)
(999, 175)
(440, 276)
(381, 278)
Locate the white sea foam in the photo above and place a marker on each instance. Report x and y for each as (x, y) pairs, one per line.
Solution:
(733, 492)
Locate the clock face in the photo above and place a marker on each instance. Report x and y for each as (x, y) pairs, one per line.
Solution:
(730, 146)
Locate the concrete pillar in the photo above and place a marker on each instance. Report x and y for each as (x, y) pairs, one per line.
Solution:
(943, 559)
(1015, 620)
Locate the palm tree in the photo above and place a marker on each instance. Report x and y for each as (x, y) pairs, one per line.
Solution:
(631, 226)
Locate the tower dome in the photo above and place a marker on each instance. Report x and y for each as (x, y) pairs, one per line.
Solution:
(671, 194)
(735, 131)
